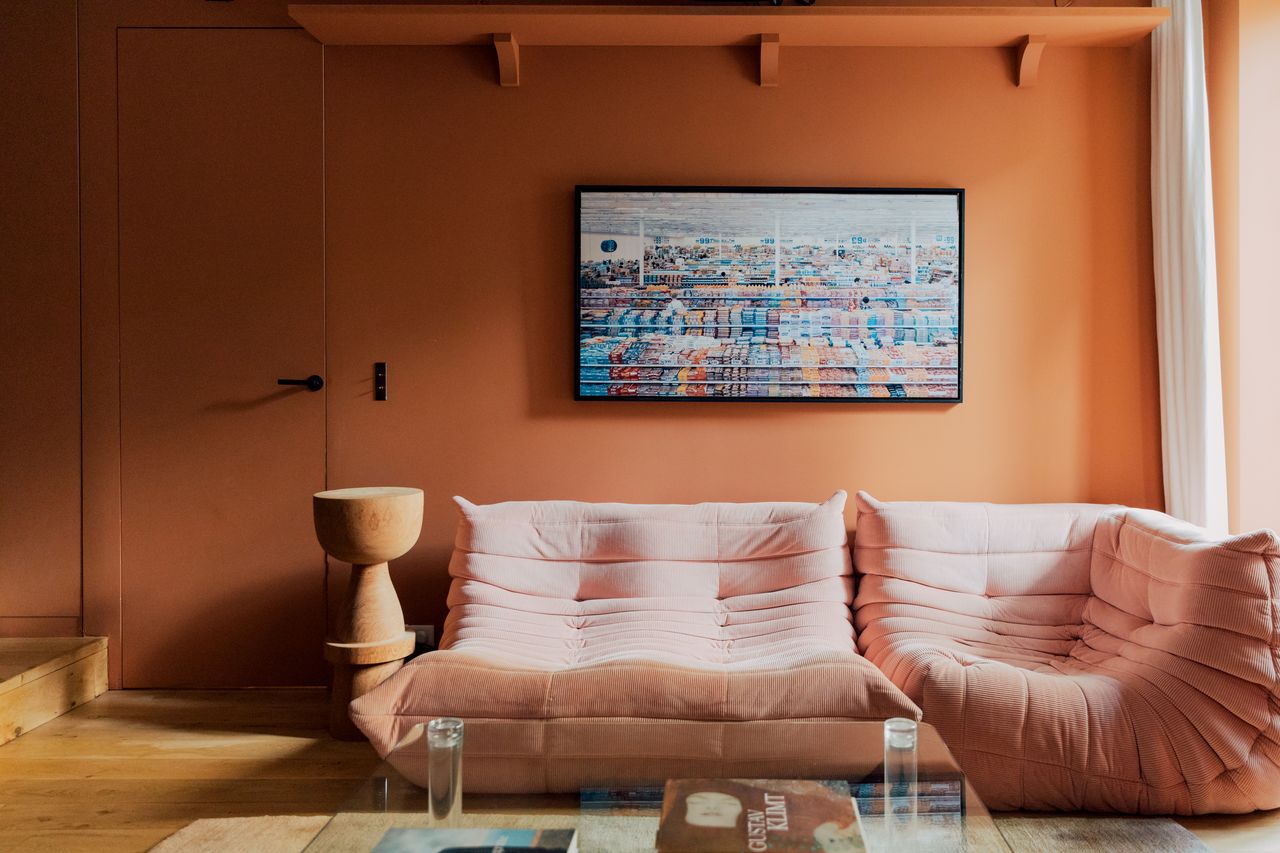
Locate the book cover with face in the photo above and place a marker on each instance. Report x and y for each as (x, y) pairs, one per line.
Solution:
(758, 816)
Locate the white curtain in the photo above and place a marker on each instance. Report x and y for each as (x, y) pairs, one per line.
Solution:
(1195, 468)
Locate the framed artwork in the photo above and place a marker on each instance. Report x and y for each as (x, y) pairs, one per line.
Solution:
(770, 293)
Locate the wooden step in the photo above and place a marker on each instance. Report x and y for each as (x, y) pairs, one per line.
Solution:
(44, 678)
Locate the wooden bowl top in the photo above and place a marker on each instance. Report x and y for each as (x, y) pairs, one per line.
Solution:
(368, 525)
(366, 492)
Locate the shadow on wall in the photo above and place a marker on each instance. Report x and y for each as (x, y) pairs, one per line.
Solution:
(421, 579)
(273, 620)
(246, 405)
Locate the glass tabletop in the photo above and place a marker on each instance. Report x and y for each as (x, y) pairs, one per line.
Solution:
(944, 813)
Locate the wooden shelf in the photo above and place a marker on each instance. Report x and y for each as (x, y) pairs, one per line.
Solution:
(1027, 30)
(825, 25)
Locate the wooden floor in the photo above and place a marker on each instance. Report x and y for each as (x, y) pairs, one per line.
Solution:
(131, 767)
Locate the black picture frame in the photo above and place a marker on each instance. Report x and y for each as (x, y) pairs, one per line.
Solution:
(958, 193)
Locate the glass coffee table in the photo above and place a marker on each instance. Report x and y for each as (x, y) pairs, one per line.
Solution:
(948, 814)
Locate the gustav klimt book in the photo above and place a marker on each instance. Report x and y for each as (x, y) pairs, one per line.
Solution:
(758, 816)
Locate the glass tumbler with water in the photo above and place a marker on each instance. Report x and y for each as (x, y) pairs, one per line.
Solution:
(444, 768)
(900, 776)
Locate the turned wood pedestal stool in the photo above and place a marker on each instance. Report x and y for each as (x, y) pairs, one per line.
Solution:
(366, 527)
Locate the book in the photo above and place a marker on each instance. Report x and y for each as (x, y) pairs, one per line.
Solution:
(923, 806)
(923, 788)
(758, 816)
(614, 799)
(445, 840)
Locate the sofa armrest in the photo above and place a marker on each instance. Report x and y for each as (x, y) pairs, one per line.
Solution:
(1165, 587)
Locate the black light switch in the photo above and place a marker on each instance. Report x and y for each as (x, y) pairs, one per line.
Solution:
(379, 380)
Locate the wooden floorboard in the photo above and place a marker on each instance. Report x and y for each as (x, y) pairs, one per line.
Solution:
(1250, 833)
(131, 767)
(26, 659)
(43, 678)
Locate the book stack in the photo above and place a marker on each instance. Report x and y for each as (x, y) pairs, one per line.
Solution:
(621, 801)
(936, 801)
(937, 822)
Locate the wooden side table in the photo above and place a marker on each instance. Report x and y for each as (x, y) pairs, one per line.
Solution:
(366, 527)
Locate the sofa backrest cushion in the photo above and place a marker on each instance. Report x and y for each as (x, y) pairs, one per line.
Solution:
(584, 551)
(562, 583)
(989, 574)
(978, 548)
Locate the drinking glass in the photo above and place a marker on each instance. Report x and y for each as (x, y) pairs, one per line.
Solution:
(900, 779)
(444, 768)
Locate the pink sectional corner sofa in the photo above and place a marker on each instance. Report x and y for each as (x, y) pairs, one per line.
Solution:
(1077, 656)
(617, 644)
(1073, 656)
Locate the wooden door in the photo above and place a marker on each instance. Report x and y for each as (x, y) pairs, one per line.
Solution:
(221, 293)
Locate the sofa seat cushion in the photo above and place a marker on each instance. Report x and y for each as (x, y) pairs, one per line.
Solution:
(1137, 674)
(826, 686)
(712, 613)
(1040, 732)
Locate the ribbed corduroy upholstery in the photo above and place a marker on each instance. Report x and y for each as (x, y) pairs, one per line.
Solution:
(1081, 657)
(616, 643)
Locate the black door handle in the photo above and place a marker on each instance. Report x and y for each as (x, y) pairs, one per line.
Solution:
(313, 382)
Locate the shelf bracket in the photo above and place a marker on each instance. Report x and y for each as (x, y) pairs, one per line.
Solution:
(1028, 60)
(770, 48)
(508, 50)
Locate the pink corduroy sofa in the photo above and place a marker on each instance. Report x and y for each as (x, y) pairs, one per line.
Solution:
(1076, 656)
(1072, 656)
(617, 644)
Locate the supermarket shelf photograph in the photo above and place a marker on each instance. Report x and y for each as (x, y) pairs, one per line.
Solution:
(762, 294)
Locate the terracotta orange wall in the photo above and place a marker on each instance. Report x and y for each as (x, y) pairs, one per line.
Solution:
(449, 254)
(39, 321)
(1222, 82)
(1242, 52)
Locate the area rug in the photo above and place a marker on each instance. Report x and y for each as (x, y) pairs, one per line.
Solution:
(285, 834)
(1062, 833)
(1023, 833)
